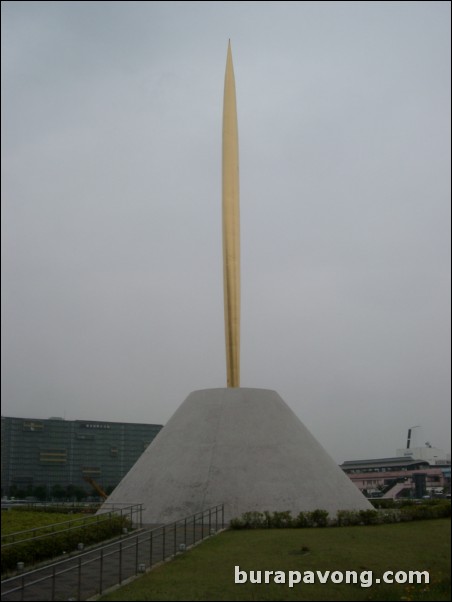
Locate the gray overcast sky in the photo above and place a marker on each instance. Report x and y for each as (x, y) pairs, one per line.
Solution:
(111, 195)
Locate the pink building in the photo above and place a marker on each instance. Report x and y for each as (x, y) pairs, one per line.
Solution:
(397, 477)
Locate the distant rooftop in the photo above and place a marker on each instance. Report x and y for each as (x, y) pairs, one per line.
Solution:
(397, 461)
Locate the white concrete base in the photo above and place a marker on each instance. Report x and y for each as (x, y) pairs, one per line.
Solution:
(241, 447)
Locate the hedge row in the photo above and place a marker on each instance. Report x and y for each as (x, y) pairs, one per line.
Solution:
(402, 502)
(321, 518)
(58, 508)
(36, 550)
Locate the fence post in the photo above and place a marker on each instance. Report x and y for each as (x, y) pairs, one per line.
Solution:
(101, 568)
(194, 528)
(79, 596)
(120, 563)
(163, 543)
(175, 536)
(210, 520)
(202, 526)
(222, 516)
(150, 548)
(136, 555)
(185, 531)
(53, 583)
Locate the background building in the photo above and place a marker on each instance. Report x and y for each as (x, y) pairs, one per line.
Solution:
(433, 455)
(54, 453)
(398, 477)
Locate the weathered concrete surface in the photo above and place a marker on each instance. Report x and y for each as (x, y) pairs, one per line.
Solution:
(241, 447)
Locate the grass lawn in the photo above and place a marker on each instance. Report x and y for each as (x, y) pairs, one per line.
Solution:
(19, 520)
(207, 572)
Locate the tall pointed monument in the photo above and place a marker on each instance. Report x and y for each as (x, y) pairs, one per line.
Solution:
(231, 226)
(240, 447)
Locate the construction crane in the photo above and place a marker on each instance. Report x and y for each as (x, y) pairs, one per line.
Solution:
(97, 488)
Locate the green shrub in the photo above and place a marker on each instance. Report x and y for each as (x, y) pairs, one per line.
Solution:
(249, 520)
(381, 503)
(319, 518)
(391, 515)
(302, 520)
(281, 520)
(263, 520)
(33, 551)
(347, 518)
(267, 523)
(60, 509)
(403, 502)
(368, 517)
(426, 511)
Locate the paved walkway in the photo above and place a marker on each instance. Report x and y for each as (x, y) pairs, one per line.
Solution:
(92, 572)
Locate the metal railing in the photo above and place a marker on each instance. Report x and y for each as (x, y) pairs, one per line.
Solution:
(133, 513)
(92, 572)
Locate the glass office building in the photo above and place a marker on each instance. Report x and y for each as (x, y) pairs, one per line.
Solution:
(54, 451)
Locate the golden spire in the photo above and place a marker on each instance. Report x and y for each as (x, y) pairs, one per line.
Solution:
(231, 227)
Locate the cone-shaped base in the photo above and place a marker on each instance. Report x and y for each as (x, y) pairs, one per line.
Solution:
(241, 447)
